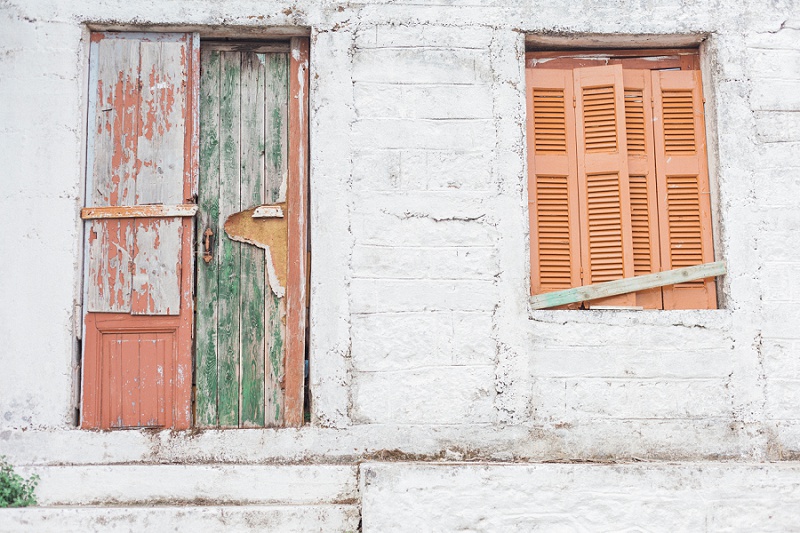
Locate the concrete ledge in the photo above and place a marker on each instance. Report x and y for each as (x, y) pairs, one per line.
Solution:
(195, 484)
(327, 518)
(580, 497)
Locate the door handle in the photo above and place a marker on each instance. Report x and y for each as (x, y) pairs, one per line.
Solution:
(208, 245)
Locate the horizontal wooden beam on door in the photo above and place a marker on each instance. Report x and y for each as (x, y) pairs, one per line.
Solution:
(627, 285)
(139, 211)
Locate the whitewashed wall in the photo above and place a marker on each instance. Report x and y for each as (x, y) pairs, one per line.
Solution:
(422, 343)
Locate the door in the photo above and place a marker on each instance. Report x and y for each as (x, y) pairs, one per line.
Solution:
(141, 168)
(251, 234)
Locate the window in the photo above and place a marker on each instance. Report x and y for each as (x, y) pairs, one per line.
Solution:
(195, 232)
(618, 178)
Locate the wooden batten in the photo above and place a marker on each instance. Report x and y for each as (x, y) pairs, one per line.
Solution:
(138, 211)
(628, 285)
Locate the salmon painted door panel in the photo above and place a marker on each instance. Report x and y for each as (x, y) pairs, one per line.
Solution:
(243, 287)
(139, 267)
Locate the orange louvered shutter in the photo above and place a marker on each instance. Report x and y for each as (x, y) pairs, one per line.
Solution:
(682, 180)
(605, 211)
(642, 181)
(552, 181)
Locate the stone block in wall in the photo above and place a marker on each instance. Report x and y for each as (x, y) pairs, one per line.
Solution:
(454, 101)
(424, 262)
(451, 134)
(421, 65)
(397, 341)
(402, 295)
(433, 395)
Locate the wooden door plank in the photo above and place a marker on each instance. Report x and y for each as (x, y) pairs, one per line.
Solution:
(253, 265)
(156, 284)
(109, 249)
(116, 114)
(162, 125)
(277, 137)
(277, 131)
(152, 359)
(228, 317)
(112, 366)
(130, 379)
(208, 221)
(296, 198)
(276, 335)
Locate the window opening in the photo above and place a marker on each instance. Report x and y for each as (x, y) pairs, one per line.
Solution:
(618, 178)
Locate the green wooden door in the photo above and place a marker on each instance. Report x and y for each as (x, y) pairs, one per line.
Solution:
(240, 307)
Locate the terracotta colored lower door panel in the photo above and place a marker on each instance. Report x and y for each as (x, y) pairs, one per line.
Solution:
(137, 372)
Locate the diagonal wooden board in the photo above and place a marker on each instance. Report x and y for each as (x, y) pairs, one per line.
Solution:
(627, 285)
(267, 232)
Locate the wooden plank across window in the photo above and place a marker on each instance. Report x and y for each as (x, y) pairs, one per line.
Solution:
(627, 285)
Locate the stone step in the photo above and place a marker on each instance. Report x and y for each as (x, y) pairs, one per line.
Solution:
(272, 518)
(195, 484)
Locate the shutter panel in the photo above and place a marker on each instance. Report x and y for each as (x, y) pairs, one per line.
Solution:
(605, 212)
(642, 181)
(552, 181)
(683, 192)
(138, 287)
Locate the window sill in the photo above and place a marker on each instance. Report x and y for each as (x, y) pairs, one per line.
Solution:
(699, 318)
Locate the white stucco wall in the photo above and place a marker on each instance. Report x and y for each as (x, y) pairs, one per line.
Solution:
(422, 343)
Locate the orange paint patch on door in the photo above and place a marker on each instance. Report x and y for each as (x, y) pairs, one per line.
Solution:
(269, 233)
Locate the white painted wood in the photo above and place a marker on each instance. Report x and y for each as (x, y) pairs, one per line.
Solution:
(162, 124)
(157, 267)
(108, 247)
(113, 168)
(627, 285)
(268, 211)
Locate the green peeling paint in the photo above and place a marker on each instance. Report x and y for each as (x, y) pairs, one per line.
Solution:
(243, 140)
